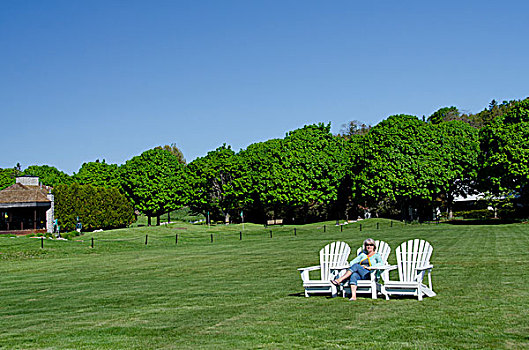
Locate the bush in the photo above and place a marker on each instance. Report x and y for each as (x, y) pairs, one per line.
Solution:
(70, 235)
(484, 214)
(96, 207)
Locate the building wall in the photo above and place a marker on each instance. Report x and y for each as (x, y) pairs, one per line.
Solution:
(50, 213)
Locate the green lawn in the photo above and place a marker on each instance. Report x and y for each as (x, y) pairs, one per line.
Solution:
(247, 293)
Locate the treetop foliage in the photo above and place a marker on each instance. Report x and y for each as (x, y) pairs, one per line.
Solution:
(174, 150)
(311, 174)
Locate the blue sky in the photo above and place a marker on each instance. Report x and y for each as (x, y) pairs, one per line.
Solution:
(87, 80)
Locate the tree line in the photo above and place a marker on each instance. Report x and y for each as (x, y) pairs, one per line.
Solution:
(403, 166)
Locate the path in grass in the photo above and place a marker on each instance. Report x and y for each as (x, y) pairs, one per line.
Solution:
(247, 293)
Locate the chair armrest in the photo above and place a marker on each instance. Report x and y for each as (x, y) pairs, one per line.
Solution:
(310, 268)
(382, 267)
(340, 267)
(304, 271)
(425, 267)
(390, 267)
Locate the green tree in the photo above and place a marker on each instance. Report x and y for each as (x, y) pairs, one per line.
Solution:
(410, 163)
(217, 183)
(504, 156)
(300, 175)
(456, 150)
(99, 174)
(153, 181)
(48, 175)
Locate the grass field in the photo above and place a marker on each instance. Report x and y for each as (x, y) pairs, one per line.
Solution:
(247, 293)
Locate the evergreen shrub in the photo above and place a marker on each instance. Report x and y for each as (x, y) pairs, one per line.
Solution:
(96, 207)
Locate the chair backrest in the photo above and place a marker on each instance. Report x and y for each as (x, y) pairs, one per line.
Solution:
(332, 255)
(410, 255)
(382, 248)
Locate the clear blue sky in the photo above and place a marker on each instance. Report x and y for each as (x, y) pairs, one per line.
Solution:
(87, 80)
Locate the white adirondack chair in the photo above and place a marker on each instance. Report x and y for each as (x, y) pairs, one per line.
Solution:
(413, 262)
(372, 286)
(333, 255)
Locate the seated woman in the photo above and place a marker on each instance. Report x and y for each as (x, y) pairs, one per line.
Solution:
(360, 266)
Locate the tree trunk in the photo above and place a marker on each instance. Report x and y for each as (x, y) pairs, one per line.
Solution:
(158, 220)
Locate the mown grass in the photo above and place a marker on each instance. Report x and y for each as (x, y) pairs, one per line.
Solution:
(247, 293)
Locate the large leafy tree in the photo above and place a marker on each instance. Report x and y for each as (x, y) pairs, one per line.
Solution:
(407, 162)
(262, 160)
(99, 174)
(393, 163)
(455, 146)
(153, 181)
(504, 154)
(217, 183)
(48, 175)
(300, 175)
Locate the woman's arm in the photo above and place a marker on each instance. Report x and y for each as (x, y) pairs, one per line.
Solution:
(358, 258)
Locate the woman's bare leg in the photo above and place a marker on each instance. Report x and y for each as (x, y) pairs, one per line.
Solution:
(344, 277)
(353, 292)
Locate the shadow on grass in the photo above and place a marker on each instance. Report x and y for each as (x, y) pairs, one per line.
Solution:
(484, 221)
(302, 295)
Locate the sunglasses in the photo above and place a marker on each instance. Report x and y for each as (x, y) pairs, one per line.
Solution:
(370, 245)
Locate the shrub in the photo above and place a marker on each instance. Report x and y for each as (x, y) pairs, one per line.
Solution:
(484, 214)
(96, 207)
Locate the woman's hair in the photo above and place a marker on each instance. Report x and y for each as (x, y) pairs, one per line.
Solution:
(370, 241)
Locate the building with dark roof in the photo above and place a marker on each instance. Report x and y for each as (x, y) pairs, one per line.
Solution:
(26, 206)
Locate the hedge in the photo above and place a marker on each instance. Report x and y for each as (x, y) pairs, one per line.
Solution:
(96, 207)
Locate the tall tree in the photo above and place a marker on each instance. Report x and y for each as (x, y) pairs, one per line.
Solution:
(504, 156)
(298, 176)
(455, 146)
(411, 163)
(217, 183)
(48, 175)
(99, 174)
(153, 181)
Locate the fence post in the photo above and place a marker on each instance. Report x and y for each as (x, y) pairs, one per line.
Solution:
(92, 242)
(146, 238)
(240, 235)
(341, 228)
(212, 238)
(377, 225)
(360, 227)
(391, 225)
(324, 228)
(41, 242)
(270, 233)
(176, 239)
(294, 231)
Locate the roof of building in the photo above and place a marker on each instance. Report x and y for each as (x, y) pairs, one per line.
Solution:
(19, 193)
